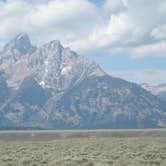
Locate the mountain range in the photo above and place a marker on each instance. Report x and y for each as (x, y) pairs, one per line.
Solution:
(52, 87)
(159, 90)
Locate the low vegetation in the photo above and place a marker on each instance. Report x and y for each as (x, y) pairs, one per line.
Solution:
(85, 152)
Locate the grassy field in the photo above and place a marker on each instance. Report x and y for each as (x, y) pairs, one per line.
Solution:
(143, 151)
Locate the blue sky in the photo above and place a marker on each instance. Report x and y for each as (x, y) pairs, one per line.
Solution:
(98, 2)
(126, 37)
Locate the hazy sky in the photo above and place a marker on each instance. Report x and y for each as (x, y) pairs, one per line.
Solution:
(126, 37)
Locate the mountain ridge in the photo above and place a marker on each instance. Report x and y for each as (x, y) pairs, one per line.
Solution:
(55, 61)
(53, 87)
(159, 90)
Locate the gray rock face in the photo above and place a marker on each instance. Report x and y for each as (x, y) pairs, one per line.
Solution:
(52, 87)
(15, 49)
(61, 67)
(162, 95)
(52, 65)
(30, 92)
(20, 43)
(4, 90)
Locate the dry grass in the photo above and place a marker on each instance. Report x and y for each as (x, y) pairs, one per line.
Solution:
(85, 152)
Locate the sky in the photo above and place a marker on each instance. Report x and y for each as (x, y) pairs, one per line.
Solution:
(126, 37)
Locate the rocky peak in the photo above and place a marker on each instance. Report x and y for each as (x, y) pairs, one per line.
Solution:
(53, 44)
(51, 51)
(20, 43)
(53, 65)
(15, 49)
(53, 47)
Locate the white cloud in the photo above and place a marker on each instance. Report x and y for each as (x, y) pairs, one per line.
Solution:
(159, 32)
(131, 25)
(121, 26)
(114, 6)
(65, 15)
(156, 49)
(45, 21)
(134, 26)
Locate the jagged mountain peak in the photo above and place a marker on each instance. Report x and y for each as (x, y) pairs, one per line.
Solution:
(53, 44)
(15, 49)
(61, 67)
(54, 65)
(20, 43)
(22, 35)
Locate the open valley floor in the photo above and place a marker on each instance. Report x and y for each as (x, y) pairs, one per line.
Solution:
(83, 148)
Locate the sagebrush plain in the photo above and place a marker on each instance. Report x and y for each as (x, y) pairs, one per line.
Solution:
(147, 150)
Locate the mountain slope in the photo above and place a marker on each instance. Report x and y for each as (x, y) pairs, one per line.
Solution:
(107, 102)
(24, 108)
(4, 90)
(52, 87)
(31, 92)
(162, 95)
